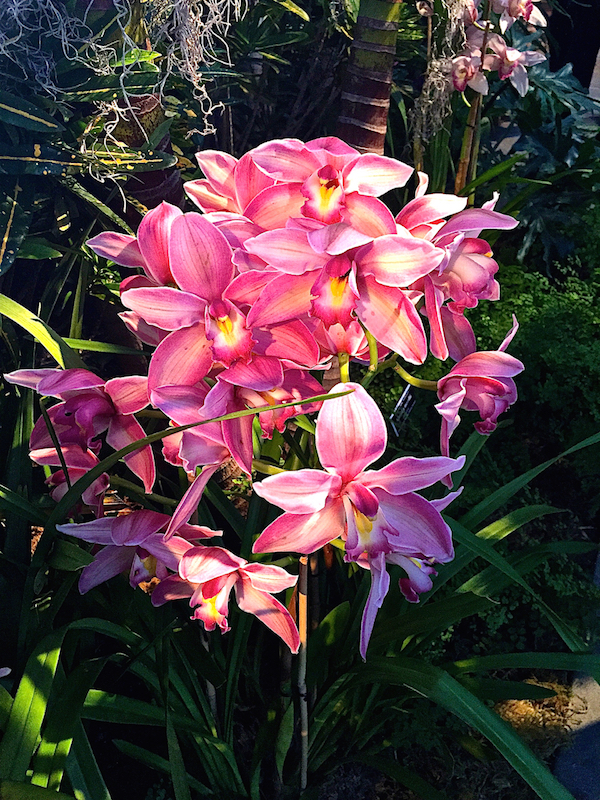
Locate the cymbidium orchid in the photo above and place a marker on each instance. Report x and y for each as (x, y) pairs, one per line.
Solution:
(89, 406)
(133, 542)
(208, 574)
(377, 513)
(482, 382)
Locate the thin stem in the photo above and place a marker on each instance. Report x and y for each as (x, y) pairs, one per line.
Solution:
(384, 365)
(344, 361)
(55, 440)
(302, 691)
(421, 384)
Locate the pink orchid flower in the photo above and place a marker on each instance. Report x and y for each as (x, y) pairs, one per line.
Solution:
(133, 542)
(148, 250)
(376, 512)
(208, 574)
(78, 462)
(466, 71)
(513, 63)
(89, 406)
(481, 382)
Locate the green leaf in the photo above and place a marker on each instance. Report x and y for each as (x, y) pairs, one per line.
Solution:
(10, 790)
(483, 549)
(181, 786)
(511, 522)
(285, 734)
(73, 185)
(37, 249)
(29, 707)
(580, 662)
(106, 707)
(501, 496)
(289, 5)
(105, 88)
(101, 347)
(38, 159)
(68, 556)
(23, 114)
(149, 759)
(495, 690)
(12, 502)
(53, 343)
(120, 160)
(51, 756)
(82, 769)
(494, 172)
(440, 687)
(402, 775)
(15, 218)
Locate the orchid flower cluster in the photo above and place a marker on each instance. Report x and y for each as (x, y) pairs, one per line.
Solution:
(292, 264)
(487, 51)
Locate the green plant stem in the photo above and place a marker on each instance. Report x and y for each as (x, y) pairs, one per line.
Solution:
(302, 690)
(380, 368)
(54, 437)
(344, 361)
(421, 384)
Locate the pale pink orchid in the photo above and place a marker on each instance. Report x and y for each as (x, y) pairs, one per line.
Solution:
(466, 71)
(513, 63)
(133, 542)
(377, 513)
(90, 406)
(482, 382)
(208, 574)
(78, 462)
(511, 10)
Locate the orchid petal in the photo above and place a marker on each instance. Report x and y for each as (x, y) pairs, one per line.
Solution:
(249, 180)
(374, 175)
(98, 531)
(398, 260)
(303, 533)
(391, 317)
(200, 257)
(430, 208)
(286, 160)
(351, 433)
(284, 298)
(124, 429)
(336, 239)
(107, 563)
(167, 308)
(129, 394)
(268, 577)
(272, 207)
(219, 169)
(368, 215)
(132, 529)
(207, 199)
(182, 404)
(301, 492)
(153, 239)
(380, 584)
(260, 374)
(415, 527)
(287, 250)
(269, 611)
(118, 247)
(202, 564)
(475, 220)
(189, 502)
(171, 588)
(408, 474)
(183, 358)
(167, 553)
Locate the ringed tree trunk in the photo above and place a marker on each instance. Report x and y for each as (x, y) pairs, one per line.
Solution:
(365, 102)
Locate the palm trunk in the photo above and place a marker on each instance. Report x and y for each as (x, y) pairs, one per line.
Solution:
(366, 99)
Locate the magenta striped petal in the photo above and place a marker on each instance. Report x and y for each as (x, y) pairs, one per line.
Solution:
(171, 588)
(207, 199)
(380, 584)
(398, 260)
(336, 239)
(107, 563)
(189, 501)
(274, 206)
(153, 240)
(132, 529)
(303, 533)
(249, 181)
(124, 429)
(268, 578)
(286, 160)
(182, 359)
(492, 363)
(167, 308)
(430, 208)
(392, 319)
(302, 492)
(410, 474)
(475, 220)
(118, 247)
(202, 564)
(287, 250)
(129, 394)
(200, 257)
(284, 298)
(97, 531)
(351, 433)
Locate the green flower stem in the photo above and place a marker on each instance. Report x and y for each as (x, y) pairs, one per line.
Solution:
(302, 690)
(344, 360)
(421, 384)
